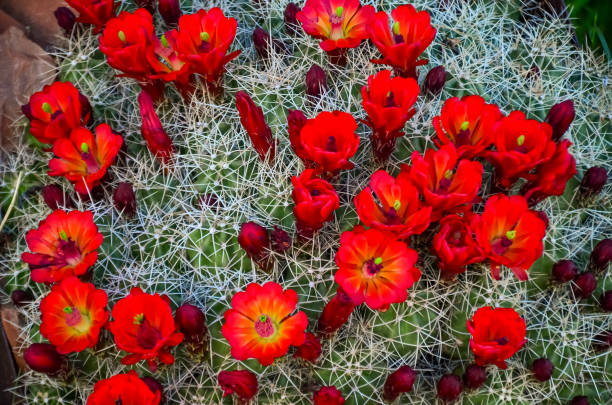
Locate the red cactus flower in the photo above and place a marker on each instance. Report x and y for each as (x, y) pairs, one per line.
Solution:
(202, 40)
(94, 12)
(447, 184)
(64, 244)
(329, 141)
(315, 201)
(123, 389)
(454, 245)
(84, 158)
(44, 358)
(398, 382)
(73, 314)
(374, 267)
(158, 141)
(497, 333)
(329, 395)
(310, 350)
(243, 383)
(254, 123)
(335, 313)
(551, 176)
(400, 210)
(254, 239)
(260, 325)
(402, 42)
(467, 124)
(388, 103)
(520, 145)
(125, 42)
(167, 65)
(340, 24)
(55, 111)
(144, 327)
(510, 234)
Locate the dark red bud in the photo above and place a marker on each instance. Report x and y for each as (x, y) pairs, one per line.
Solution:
(579, 400)
(86, 110)
(44, 358)
(606, 301)
(281, 241)
(243, 383)
(155, 386)
(474, 376)
(603, 341)
(584, 284)
(148, 5)
(435, 80)
(55, 197)
(27, 111)
(449, 387)
(310, 350)
(170, 11)
(254, 239)
(560, 117)
(398, 382)
(65, 19)
(264, 43)
(564, 271)
(191, 321)
(328, 396)
(543, 217)
(336, 313)
(209, 200)
(316, 81)
(601, 255)
(291, 23)
(125, 199)
(593, 181)
(542, 369)
(21, 297)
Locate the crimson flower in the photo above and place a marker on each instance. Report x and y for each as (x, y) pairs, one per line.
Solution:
(94, 12)
(243, 383)
(260, 325)
(254, 122)
(55, 111)
(388, 103)
(398, 210)
(454, 245)
(73, 314)
(497, 333)
(329, 395)
(310, 350)
(402, 42)
(335, 313)
(375, 267)
(144, 327)
(315, 201)
(466, 123)
(166, 64)
(64, 244)
(158, 141)
(447, 184)
(510, 234)
(84, 158)
(551, 176)
(124, 389)
(520, 145)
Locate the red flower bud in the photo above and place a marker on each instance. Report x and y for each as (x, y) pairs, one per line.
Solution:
(254, 239)
(336, 313)
(398, 382)
(593, 181)
(295, 122)
(243, 383)
(328, 396)
(208, 200)
(264, 43)
(65, 19)
(281, 241)
(155, 386)
(310, 350)
(253, 121)
(542, 369)
(579, 400)
(584, 284)
(158, 141)
(474, 376)
(44, 358)
(291, 22)
(543, 217)
(435, 80)
(601, 254)
(564, 271)
(605, 301)
(449, 387)
(148, 5)
(26, 109)
(125, 199)
(55, 197)
(191, 321)
(316, 81)
(21, 297)
(603, 341)
(560, 117)
(170, 11)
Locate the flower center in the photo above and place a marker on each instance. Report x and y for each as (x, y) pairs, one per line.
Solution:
(204, 36)
(315, 193)
(264, 326)
(148, 336)
(68, 250)
(331, 144)
(121, 36)
(390, 101)
(391, 214)
(445, 182)
(73, 316)
(501, 245)
(373, 266)
(46, 107)
(455, 238)
(90, 161)
(502, 341)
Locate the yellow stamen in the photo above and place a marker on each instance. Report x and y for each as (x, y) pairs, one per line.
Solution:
(378, 260)
(164, 41)
(138, 318)
(520, 140)
(511, 235)
(68, 310)
(47, 108)
(121, 36)
(448, 174)
(84, 148)
(204, 36)
(339, 11)
(465, 125)
(63, 236)
(396, 28)
(397, 205)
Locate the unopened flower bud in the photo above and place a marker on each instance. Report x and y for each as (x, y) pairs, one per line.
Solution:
(584, 284)
(44, 358)
(542, 369)
(191, 321)
(316, 81)
(474, 376)
(601, 255)
(254, 239)
(603, 341)
(55, 198)
(336, 313)
(291, 23)
(125, 199)
(435, 80)
(170, 11)
(329, 395)
(253, 121)
(579, 400)
(543, 217)
(564, 271)
(606, 301)
(243, 383)
(65, 19)
(148, 5)
(155, 386)
(449, 387)
(593, 181)
(560, 117)
(398, 382)
(310, 350)
(281, 241)
(21, 297)
(264, 43)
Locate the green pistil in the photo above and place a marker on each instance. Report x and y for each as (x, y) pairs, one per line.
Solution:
(448, 174)
(138, 318)
(204, 36)
(263, 318)
(465, 125)
(378, 260)
(164, 41)
(511, 235)
(121, 36)
(47, 108)
(397, 205)
(520, 140)
(396, 28)
(63, 236)
(68, 310)
(339, 11)
(84, 148)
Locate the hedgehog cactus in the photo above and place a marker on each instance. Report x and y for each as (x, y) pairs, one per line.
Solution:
(228, 166)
